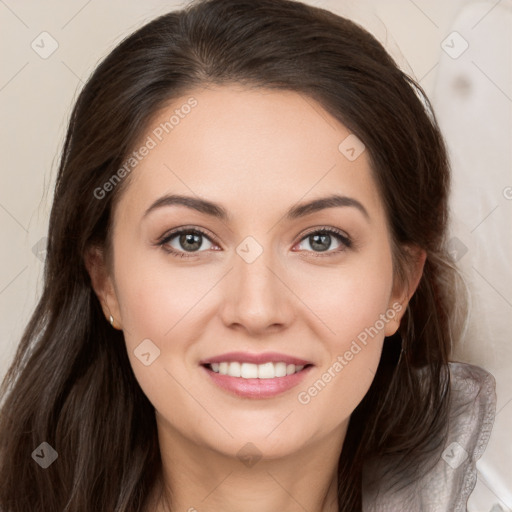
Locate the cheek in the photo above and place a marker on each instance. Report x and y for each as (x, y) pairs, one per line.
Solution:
(348, 298)
(155, 298)
(355, 309)
(353, 303)
(156, 303)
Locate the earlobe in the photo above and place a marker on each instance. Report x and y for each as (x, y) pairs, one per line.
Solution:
(394, 323)
(102, 285)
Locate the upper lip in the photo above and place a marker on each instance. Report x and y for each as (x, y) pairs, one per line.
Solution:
(246, 357)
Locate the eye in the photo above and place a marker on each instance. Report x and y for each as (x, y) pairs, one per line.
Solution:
(185, 240)
(321, 240)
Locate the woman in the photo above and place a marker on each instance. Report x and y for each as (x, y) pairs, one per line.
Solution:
(248, 302)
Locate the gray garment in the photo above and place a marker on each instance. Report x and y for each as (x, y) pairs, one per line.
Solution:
(447, 486)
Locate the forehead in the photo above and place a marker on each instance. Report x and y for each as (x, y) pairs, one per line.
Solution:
(245, 147)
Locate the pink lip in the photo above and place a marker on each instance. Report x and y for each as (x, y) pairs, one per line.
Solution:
(246, 357)
(256, 388)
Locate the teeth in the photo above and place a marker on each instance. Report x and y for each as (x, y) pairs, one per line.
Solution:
(255, 371)
(280, 369)
(247, 371)
(234, 369)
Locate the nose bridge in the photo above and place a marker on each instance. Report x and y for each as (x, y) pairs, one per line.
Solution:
(258, 299)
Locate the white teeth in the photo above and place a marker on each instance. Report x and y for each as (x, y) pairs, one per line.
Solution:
(234, 369)
(266, 371)
(280, 369)
(255, 371)
(248, 371)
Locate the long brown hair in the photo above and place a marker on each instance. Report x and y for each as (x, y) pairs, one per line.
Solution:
(71, 384)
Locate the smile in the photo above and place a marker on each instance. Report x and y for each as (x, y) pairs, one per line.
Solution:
(255, 381)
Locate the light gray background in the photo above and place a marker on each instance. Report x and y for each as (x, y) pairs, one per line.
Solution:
(471, 93)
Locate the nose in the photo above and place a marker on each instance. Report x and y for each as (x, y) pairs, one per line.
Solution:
(257, 297)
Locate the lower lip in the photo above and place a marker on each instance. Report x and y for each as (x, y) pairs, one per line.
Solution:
(257, 388)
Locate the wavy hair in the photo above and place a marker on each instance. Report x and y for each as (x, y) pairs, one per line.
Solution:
(71, 383)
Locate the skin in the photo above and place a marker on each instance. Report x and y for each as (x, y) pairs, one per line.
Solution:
(257, 153)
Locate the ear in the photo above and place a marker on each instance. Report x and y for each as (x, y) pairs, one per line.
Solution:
(103, 284)
(402, 292)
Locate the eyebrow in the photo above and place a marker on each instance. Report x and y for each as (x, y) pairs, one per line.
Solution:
(219, 212)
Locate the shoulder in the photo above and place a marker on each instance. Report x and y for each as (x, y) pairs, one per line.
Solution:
(447, 485)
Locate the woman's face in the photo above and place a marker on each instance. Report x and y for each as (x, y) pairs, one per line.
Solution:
(254, 271)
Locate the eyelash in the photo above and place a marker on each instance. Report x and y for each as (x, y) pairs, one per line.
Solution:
(340, 235)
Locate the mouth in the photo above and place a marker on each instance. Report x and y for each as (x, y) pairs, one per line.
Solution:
(255, 381)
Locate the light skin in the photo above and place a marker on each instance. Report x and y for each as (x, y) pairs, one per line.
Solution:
(257, 153)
